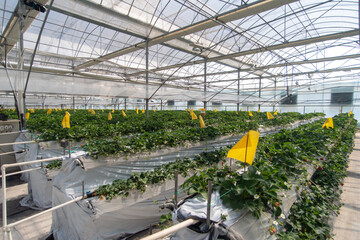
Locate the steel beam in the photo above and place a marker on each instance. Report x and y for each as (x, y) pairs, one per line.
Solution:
(266, 49)
(241, 12)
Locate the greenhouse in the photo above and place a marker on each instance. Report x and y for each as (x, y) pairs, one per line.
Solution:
(180, 119)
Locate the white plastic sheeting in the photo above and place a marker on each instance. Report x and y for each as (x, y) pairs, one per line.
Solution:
(55, 84)
(39, 181)
(101, 219)
(39, 189)
(30, 152)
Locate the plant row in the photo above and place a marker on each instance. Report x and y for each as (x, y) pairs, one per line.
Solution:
(309, 218)
(86, 125)
(279, 158)
(164, 138)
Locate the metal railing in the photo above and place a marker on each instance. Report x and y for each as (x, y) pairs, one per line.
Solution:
(7, 153)
(6, 226)
(15, 143)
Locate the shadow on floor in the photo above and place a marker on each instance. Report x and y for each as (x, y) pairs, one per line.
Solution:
(352, 174)
(356, 208)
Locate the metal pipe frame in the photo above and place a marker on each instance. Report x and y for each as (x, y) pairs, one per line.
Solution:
(15, 143)
(297, 43)
(44, 212)
(6, 231)
(2, 154)
(147, 78)
(241, 12)
(205, 70)
(22, 171)
(171, 230)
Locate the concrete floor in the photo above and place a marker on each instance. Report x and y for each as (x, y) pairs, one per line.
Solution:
(38, 228)
(347, 224)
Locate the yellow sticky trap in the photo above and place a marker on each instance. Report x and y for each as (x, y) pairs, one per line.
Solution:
(236, 113)
(258, 110)
(154, 110)
(137, 111)
(109, 116)
(193, 116)
(102, 110)
(48, 111)
(143, 111)
(269, 115)
(215, 110)
(185, 109)
(113, 111)
(66, 120)
(245, 149)
(92, 111)
(250, 114)
(27, 116)
(328, 123)
(32, 110)
(170, 109)
(275, 113)
(202, 123)
(123, 113)
(202, 109)
(349, 114)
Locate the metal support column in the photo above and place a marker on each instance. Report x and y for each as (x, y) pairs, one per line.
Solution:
(147, 77)
(20, 78)
(43, 102)
(125, 107)
(161, 104)
(208, 208)
(238, 92)
(205, 66)
(73, 104)
(274, 94)
(259, 90)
